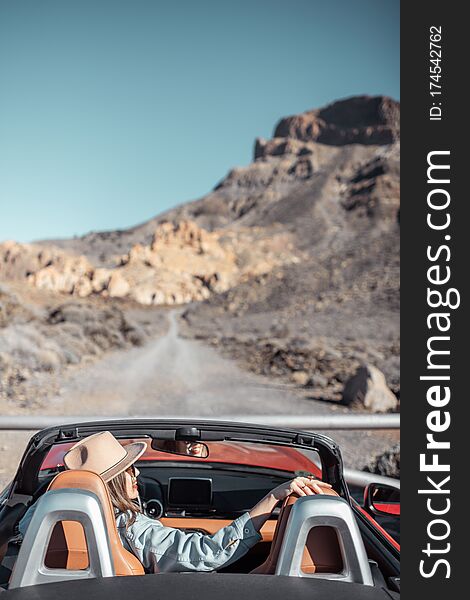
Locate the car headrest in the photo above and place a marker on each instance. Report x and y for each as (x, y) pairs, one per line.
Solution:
(309, 554)
(68, 543)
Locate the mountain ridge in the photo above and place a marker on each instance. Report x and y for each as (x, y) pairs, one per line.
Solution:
(288, 260)
(218, 209)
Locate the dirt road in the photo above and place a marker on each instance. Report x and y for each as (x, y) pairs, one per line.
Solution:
(174, 376)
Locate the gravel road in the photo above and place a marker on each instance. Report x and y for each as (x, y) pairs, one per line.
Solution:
(174, 376)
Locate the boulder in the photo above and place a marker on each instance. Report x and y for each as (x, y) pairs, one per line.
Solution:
(83, 287)
(387, 463)
(368, 389)
(118, 286)
(300, 378)
(143, 294)
(100, 279)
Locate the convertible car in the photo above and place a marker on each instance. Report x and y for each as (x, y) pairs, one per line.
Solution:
(197, 476)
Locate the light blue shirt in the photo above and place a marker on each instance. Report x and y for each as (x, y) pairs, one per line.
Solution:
(163, 549)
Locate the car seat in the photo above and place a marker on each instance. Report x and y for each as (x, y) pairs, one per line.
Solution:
(72, 535)
(322, 552)
(68, 548)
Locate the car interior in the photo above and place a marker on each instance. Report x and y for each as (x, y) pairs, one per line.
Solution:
(192, 490)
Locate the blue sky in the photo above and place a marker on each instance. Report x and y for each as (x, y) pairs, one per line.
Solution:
(112, 111)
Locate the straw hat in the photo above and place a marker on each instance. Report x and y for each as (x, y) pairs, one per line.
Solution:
(103, 454)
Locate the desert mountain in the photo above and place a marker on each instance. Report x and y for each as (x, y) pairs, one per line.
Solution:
(352, 142)
(290, 264)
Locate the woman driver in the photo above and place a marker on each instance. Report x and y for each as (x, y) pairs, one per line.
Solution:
(160, 548)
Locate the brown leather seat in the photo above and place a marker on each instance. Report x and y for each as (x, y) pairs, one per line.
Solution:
(67, 547)
(322, 552)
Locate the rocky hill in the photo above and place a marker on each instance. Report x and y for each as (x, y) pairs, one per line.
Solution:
(299, 155)
(290, 264)
(183, 263)
(317, 320)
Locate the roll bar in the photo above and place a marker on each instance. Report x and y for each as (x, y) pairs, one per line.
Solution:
(55, 506)
(320, 511)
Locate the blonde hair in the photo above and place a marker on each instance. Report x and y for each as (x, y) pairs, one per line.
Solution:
(120, 499)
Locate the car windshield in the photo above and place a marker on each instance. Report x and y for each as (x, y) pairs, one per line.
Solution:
(245, 454)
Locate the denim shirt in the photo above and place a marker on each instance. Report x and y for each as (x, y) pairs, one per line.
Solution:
(163, 549)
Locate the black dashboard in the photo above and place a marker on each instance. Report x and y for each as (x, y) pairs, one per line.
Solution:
(171, 489)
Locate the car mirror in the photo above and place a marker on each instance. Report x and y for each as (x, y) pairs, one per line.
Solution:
(182, 448)
(382, 500)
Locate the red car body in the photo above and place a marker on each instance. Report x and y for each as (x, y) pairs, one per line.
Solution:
(280, 458)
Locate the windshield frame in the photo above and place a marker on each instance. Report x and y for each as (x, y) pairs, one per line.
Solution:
(26, 480)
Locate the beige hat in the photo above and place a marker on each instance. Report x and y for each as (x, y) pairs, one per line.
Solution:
(103, 454)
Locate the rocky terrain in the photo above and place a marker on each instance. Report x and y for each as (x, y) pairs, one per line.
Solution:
(182, 264)
(386, 463)
(290, 266)
(317, 320)
(44, 337)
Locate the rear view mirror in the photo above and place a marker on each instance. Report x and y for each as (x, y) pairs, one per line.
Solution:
(382, 500)
(182, 448)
